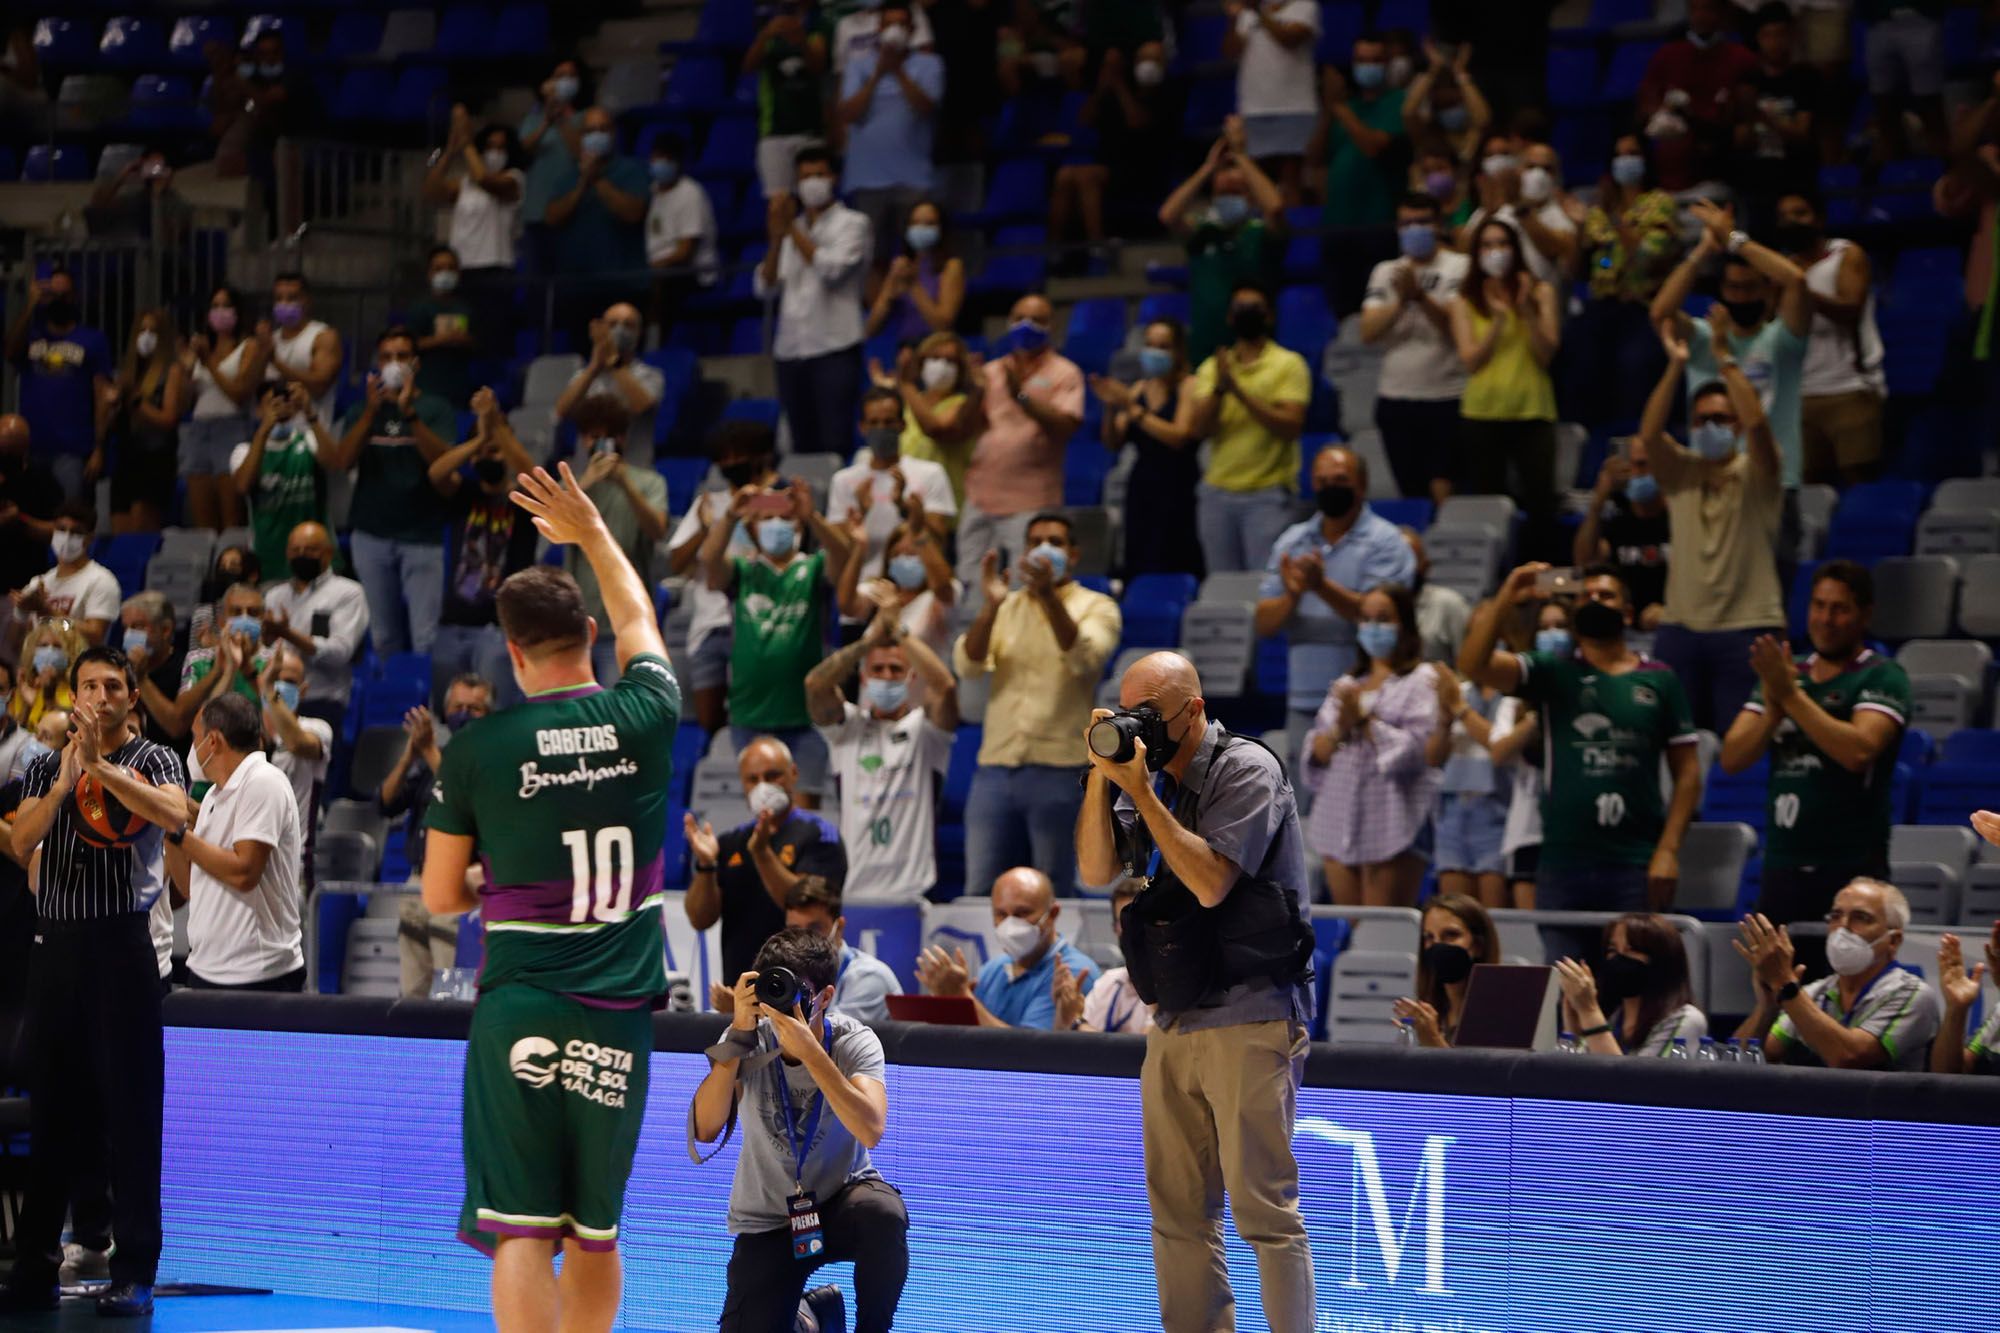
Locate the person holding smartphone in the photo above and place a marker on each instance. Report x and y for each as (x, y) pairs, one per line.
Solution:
(633, 501)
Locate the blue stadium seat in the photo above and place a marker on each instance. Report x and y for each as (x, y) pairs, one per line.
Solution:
(1085, 465)
(125, 555)
(683, 477)
(1209, 103)
(1876, 519)
(163, 103)
(730, 150)
(1341, 23)
(1412, 14)
(1201, 37)
(1627, 69)
(1306, 324)
(1152, 609)
(1608, 14)
(356, 35)
(958, 773)
(291, 31)
(364, 92)
(46, 162)
(133, 43)
(1947, 793)
(1012, 274)
(1098, 314)
(1917, 748)
(1018, 189)
(1404, 512)
(419, 89)
(521, 29)
(1573, 78)
(1163, 305)
(64, 43)
(764, 411)
(742, 281)
(697, 84)
(1974, 745)
(1273, 670)
(726, 25)
(1737, 797)
(464, 32)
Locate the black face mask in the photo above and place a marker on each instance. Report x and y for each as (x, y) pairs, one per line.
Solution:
(1449, 963)
(61, 310)
(1621, 977)
(1595, 620)
(1336, 502)
(306, 568)
(490, 471)
(1745, 314)
(218, 583)
(1796, 238)
(1249, 322)
(739, 475)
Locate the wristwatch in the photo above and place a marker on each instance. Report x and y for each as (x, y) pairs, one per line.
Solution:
(1789, 992)
(701, 869)
(178, 835)
(1737, 240)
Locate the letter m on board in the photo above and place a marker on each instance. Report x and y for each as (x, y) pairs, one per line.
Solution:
(1368, 1208)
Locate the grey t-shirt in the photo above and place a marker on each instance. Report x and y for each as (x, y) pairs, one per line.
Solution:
(766, 1171)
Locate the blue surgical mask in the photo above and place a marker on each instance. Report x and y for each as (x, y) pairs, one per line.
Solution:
(921, 235)
(249, 627)
(777, 536)
(135, 640)
(288, 694)
(1555, 642)
(1643, 489)
(1231, 210)
(665, 170)
(885, 696)
(1628, 169)
(1055, 556)
(1378, 639)
(1713, 440)
(1028, 336)
(1155, 362)
(565, 87)
(598, 143)
(271, 69)
(1372, 74)
(1419, 240)
(459, 719)
(906, 571)
(48, 657)
(1454, 118)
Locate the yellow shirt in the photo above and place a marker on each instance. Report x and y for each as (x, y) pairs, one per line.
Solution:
(1244, 455)
(1042, 696)
(953, 458)
(1722, 575)
(1512, 385)
(28, 706)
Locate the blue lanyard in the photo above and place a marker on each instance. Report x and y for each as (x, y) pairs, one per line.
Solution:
(846, 961)
(1116, 1022)
(1153, 865)
(813, 1109)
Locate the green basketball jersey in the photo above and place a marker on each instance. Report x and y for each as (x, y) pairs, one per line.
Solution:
(566, 795)
(780, 636)
(1602, 739)
(1820, 814)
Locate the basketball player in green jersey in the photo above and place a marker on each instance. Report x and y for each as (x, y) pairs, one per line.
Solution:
(563, 799)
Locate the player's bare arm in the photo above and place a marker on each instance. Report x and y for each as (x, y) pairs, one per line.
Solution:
(566, 517)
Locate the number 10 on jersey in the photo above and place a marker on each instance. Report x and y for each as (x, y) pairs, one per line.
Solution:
(605, 893)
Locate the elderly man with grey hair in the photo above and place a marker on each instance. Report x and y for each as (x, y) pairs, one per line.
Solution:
(146, 634)
(1871, 1013)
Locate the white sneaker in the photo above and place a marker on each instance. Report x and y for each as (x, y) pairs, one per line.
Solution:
(82, 1264)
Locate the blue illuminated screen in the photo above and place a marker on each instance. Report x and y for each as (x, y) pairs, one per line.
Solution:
(329, 1166)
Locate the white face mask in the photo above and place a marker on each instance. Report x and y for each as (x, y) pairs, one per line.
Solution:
(1848, 954)
(147, 343)
(495, 159)
(768, 798)
(1537, 185)
(1019, 938)
(895, 36)
(394, 376)
(1496, 263)
(816, 191)
(1149, 73)
(939, 373)
(68, 546)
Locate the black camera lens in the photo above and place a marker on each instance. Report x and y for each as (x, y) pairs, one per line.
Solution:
(1111, 737)
(779, 987)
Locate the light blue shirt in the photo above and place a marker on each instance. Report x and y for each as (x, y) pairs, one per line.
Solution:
(1774, 360)
(864, 987)
(1026, 1001)
(1371, 552)
(890, 147)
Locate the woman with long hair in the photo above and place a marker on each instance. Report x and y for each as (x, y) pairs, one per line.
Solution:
(1457, 936)
(152, 397)
(225, 366)
(916, 584)
(1365, 758)
(936, 380)
(1644, 972)
(923, 289)
(46, 656)
(1155, 415)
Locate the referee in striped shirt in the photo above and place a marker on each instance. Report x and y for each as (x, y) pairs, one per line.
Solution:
(93, 1040)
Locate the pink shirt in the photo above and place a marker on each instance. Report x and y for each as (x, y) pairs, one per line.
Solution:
(1016, 468)
(1377, 790)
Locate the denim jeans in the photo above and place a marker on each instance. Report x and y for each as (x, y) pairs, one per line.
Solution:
(1714, 667)
(1239, 528)
(1602, 888)
(404, 584)
(1023, 816)
(480, 649)
(821, 397)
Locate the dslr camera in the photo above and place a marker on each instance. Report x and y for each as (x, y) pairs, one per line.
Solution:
(780, 988)
(1111, 737)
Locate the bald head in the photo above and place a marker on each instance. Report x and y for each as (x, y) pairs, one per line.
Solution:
(1338, 465)
(1165, 680)
(1024, 892)
(767, 760)
(309, 541)
(13, 434)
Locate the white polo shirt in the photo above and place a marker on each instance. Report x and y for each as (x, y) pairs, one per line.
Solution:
(238, 938)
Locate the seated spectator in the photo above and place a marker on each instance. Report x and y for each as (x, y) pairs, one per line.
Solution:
(447, 334)
(888, 106)
(1233, 241)
(1777, 139)
(1841, 384)
(1520, 184)
(745, 454)
(550, 135)
(1724, 497)
(299, 349)
(1444, 102)
(916, 587)
(1365, 759)
(1250, 404)
(393, 435)
(680, 232)
(1952, 1052)
(887, 753)
(29, 498)
(1030, 404)
(239, 864)
(1626, 525)
(1688, 100)
(1442, 613)
(147, 637)
(232, 565)
(229, 655)
(924, 289)
(47, 737)
(77, 589)
(614, 371)
(144, 430)
(139, 202)
(225, 364)
(1904, 48)
(1131, 111)
(1315, 577)
(744, 877)
(14, 741)
(1044, 644)
(780, 626)
(632, 499)
(937, 383)
(1470, 826)
(1407, 312)
(1017, 989)
(44, 687)
(817, 267)
(1272, 45)
(1112, 1004)
(480, 175)
(1156, 417)
(489, 539)
(64, 369)
(1631, 239)
(862, 988)
(1644, 971)
(1871, 1013)
(1457, 936)
(426, 944)
(886, 491)
(597, 205)
(278, 469)
(788, 62)
(323, 615)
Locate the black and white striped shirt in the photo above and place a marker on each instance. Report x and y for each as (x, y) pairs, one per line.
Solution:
(80, 882)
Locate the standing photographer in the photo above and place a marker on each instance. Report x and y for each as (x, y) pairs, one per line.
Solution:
(1217, 941)
(806, 1193)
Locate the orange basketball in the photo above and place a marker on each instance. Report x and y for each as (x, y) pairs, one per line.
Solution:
(103, 821)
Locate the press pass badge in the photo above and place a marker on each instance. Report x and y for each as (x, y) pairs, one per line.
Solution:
(808, 1242)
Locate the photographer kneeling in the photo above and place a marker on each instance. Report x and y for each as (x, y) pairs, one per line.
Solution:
(805, 1192)
(1218, 942)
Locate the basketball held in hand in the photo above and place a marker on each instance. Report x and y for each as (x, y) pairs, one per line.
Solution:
(102, 820)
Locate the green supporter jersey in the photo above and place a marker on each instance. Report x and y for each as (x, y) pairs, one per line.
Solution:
(1602, 739)
(565, 796)
(1221, 259)
(780, 635)
(1821, 814)
(285, 494)
(393, 495)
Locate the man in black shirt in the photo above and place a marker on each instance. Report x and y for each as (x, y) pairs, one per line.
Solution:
(1778, 141)
(29, 498)
(743, 877)
(149, 640)
(1625, 525)
(93, 1042)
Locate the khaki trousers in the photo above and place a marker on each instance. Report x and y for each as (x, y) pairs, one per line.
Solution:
(1218, 1108)
(424, 944)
